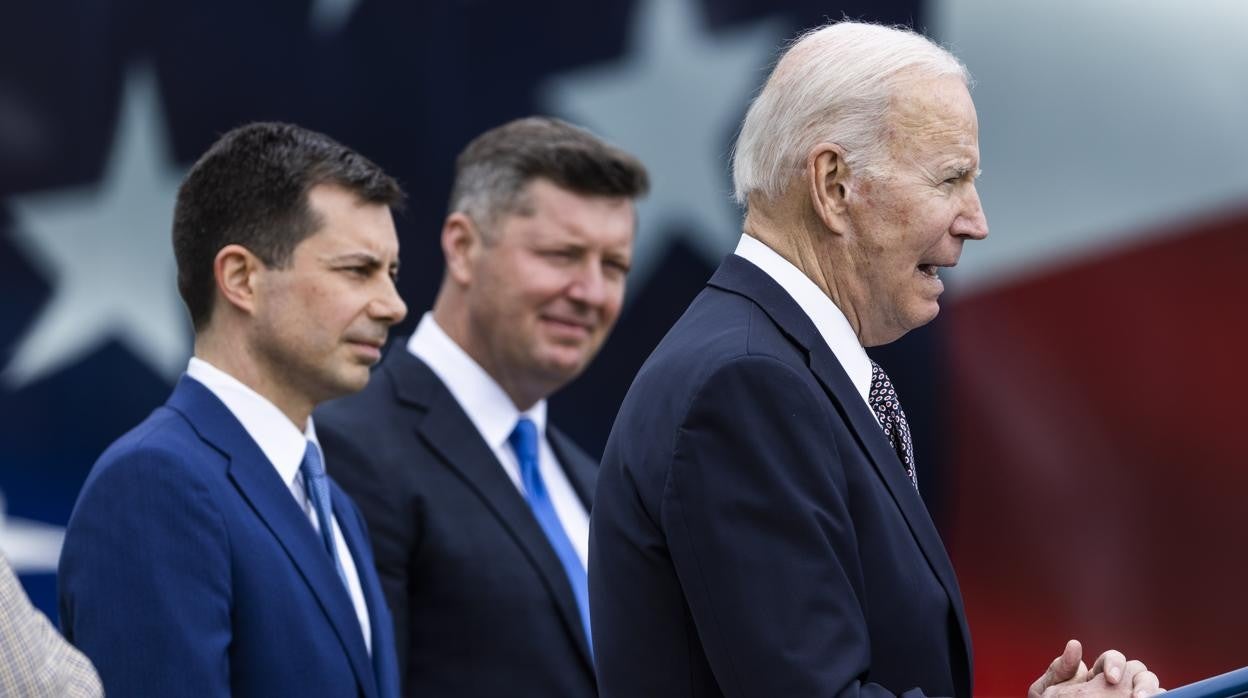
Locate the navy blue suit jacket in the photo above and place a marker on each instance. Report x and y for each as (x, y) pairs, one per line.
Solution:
(189, 570)
(482, 606)
(753, 532)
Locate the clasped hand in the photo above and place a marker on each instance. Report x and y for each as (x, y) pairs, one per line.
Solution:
(1110, 675)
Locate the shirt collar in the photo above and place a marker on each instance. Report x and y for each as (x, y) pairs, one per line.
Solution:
(829, 320)
(481, 397)
(278, 437)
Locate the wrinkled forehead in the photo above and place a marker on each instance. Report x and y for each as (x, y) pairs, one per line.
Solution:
(932, 111)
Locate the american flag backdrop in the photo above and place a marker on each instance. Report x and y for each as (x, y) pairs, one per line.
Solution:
(1076, 408)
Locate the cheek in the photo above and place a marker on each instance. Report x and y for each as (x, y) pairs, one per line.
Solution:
(611, 309)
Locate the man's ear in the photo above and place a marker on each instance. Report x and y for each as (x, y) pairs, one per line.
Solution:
(828, 176)
(236, 270)
(461, 243)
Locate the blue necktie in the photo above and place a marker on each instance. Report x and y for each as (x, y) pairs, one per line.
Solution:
(524, 440)
(317, 484)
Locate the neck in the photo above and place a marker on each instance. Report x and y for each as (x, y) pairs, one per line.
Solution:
(452, 316)
(789, 227)
(237, 358)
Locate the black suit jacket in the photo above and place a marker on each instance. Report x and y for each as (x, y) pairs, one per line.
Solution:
(480, 602)
(754, 533)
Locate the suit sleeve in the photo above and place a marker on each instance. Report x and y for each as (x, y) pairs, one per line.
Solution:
(761, 536)
(145, 579)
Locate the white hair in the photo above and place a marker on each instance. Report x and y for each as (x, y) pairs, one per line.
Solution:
(832, 85)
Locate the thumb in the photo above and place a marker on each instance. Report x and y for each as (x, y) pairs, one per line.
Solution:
(1063, 668)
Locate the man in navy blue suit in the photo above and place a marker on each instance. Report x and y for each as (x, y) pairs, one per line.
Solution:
(208, 553)
(478, 506)
(757, 529)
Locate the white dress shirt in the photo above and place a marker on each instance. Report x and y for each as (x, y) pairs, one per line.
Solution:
(495, 416)
(284, 445)
(829, 320)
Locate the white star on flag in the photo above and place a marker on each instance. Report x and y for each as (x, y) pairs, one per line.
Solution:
(674, 101)
(106, 252)
(328, 17)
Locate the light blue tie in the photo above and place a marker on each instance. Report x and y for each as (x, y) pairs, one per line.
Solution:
(317, 484)
(524, 440)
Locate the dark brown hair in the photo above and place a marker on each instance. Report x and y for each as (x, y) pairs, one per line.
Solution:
(251, 189)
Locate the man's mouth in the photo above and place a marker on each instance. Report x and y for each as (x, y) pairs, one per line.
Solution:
(374, 342)
(568, 329)
(932, 271)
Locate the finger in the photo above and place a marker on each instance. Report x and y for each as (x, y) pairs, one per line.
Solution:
(1082, 674)
(1111, 663)
(1133, 668)
(1067, 664)
(1145, 684)
(1064, 667)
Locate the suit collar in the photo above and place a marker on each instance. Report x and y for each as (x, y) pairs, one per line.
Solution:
(259, 484)
(478, 394)
(738, 276)
(579, 468)
(385, 662)
(278, 438)
(829, 320)
(449, 433)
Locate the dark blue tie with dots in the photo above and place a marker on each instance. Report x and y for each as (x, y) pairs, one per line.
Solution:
(887, 408)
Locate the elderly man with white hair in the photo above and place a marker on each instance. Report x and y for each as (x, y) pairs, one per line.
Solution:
(757, 529)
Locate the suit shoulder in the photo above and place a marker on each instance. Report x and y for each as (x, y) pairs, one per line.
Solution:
(163, 452)
(165, 436)
(719, 328)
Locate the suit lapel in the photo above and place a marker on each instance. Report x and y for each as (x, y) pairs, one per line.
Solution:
(385, 663)
(450, 434)
(258, 483)
(581, 470)
(741, 277)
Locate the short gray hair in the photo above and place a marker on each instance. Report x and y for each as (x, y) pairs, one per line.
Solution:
(493, 170)
(832, 85)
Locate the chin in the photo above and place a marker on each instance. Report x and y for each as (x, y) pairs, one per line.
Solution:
(352, 383)
(918, 322)
(564, 368)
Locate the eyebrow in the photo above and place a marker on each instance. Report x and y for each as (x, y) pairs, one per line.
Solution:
(362, 258)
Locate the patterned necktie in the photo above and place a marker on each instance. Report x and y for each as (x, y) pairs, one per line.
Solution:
(887, 408)
(524, 441)
(317, 485)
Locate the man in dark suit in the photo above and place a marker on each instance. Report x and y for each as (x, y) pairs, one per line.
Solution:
(757, 529)
(208, 554)
(478, 507)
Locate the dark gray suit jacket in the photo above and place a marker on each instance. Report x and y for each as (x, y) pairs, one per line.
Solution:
(480, 602)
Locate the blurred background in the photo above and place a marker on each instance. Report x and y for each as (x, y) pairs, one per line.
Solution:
(1077, 407)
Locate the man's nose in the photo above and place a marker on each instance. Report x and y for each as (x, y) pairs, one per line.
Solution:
(971, 222)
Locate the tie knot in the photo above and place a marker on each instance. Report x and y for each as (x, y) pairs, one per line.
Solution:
(312, 466)
(524, 440)
(882, 390)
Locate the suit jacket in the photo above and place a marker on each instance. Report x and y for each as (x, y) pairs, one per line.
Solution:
(754, 533)
(35, 662)
(481, 604)
(189, 570)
